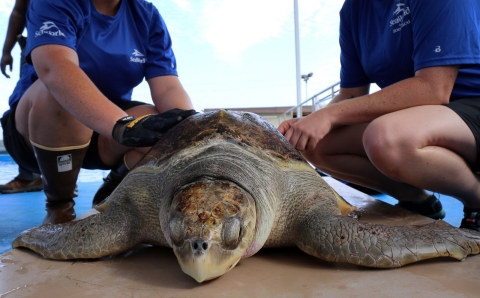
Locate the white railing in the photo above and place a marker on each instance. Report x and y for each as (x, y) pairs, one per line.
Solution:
(315, 101)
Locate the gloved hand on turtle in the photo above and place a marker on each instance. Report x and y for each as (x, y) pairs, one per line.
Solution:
(147, 130)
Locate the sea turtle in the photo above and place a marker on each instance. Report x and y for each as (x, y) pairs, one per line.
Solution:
(220, 186)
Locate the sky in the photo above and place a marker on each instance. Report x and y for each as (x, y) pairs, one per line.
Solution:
(237, 54)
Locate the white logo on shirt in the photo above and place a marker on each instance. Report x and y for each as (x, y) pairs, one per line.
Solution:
(438, 49)
(136, 53)
(49, 28)
(400, 9)
(135, 59)
(399, 21)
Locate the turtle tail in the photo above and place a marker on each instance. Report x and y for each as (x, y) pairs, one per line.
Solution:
(344, 239)
(93, 237)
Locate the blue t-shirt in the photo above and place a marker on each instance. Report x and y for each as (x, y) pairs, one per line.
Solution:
(26, 80)
(386, 41)
(117, 52)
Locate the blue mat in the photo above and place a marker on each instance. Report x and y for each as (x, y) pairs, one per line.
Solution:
(19, 212)
(453, 207)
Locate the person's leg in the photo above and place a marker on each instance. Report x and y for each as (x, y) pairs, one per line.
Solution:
(119, 158)
(25, 181)
(59, 142)
(440, 156)
(27, 175)
(429, 147)
(342, 155)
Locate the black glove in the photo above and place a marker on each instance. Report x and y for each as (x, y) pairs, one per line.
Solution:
(147, 130)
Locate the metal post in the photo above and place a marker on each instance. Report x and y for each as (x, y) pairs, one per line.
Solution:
(305, 78)
(297, 60)
(306, 90)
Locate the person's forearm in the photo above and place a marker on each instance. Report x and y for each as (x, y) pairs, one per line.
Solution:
(339, 97)
(71, 87)
(181, 100)
(16, 25)
(168, 93)
(404, 94)
(348, 93)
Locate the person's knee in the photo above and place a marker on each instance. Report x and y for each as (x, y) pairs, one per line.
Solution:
(36, 103)
(386, 147)
(42, 102)
(318, 157)
(39, 114)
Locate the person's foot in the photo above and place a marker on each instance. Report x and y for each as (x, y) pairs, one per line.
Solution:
(60, 212)
(432, 207)
(19, 185)
(471, 219)
(110, 182)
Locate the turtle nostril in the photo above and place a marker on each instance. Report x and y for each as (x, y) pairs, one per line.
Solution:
(200, 245)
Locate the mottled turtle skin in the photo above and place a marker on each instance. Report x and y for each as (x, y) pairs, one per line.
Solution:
(220, 186)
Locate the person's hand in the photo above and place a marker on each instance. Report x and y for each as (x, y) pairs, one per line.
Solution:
(305, 133)
(145, 131)
(7, 59)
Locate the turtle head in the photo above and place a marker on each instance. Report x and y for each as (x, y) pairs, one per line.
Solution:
(211, 225)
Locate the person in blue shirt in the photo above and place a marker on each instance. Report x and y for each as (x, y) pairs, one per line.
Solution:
(89, 55)
(422, 129)
(25, 180)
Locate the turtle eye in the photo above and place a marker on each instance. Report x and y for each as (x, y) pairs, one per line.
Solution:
(231, 233)
(177, 232)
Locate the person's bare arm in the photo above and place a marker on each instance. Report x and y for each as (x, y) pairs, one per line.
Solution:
(16, 24)
(344, 93)
(168, 93)
(348, 93)
(429, 86)
(58, 68)
(173, 105)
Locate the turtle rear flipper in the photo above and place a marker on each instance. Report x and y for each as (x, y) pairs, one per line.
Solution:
(343, 239)
(93, 237)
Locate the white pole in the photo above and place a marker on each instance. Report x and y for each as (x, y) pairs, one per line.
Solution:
(297, 59)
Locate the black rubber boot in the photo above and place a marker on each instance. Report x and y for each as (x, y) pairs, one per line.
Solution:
(432, 207)
(60, 168)
(471, 219)
(111, 182)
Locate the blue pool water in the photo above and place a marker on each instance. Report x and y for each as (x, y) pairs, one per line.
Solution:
(19, 212)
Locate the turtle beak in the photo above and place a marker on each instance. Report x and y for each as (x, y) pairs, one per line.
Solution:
(203, 260)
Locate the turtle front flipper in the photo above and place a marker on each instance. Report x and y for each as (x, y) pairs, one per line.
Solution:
(343, 239)
(93, 237)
